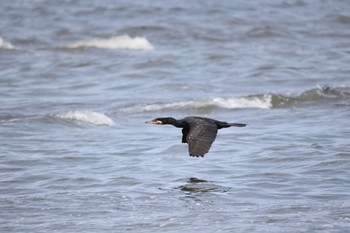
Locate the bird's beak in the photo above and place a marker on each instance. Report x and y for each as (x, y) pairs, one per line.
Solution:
(156, 122)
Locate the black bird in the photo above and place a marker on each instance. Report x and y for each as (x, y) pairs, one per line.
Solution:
(198, 132)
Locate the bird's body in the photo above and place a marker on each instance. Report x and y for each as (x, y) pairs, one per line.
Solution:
(198, 132)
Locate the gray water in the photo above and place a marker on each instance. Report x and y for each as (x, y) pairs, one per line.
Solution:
(78, 79)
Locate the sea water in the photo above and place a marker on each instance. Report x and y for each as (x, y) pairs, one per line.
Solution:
(78, 79)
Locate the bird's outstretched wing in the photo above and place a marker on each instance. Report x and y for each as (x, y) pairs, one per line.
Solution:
(201, 136)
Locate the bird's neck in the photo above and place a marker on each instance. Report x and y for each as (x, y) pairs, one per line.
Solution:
(176, 123)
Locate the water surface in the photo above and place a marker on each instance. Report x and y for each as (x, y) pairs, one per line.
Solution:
(78, 80)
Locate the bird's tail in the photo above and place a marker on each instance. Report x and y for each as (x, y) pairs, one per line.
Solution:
(237, 124)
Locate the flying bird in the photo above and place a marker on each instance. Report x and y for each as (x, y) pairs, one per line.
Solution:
(198, 132)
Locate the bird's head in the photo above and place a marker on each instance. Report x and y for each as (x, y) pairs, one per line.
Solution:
(162, 121)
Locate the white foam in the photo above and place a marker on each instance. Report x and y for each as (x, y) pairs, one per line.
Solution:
(264, 101)
(124, 42)
(5, 44)
(94, 118)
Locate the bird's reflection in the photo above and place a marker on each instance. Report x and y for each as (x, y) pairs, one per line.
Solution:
(195, 185)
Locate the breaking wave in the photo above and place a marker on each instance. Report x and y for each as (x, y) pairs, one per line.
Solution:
(247, 102)
(87, 117)
(123, 42)
(5, 44)
(319, 95)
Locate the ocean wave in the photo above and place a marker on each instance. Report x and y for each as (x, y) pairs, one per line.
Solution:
(88, 117)
(263, 101)
(5, 117)
(123, 42)
(315, 96)
(5, 44)
(319, 95)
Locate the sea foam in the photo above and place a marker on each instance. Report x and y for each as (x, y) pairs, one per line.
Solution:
(89, 117)
(261, 101)
(123, 42)
(5, 44)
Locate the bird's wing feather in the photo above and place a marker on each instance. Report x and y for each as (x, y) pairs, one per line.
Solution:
(201, 136)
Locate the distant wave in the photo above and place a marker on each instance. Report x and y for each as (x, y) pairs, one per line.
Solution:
(315, 96)
(5, 44)
(88, 117)
(263, 101)
(124, 42)
(6, 117)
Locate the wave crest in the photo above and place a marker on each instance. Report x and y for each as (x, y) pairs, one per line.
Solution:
(5, 44)
(314, 96)
(123, 42)
(263, 101)
(94, 118)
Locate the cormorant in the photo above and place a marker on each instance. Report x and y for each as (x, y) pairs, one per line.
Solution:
(198, 132)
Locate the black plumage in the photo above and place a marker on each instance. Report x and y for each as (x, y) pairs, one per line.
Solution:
(198, 132)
